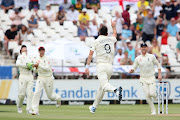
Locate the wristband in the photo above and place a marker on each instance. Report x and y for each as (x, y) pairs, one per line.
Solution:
(87, 66)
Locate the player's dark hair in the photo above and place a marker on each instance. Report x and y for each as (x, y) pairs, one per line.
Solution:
(13, 26)
(23, 46)
(103, 30)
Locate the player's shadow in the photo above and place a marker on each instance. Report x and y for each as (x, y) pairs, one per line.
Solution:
(6, 111)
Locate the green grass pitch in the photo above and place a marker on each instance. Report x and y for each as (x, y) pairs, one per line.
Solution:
(104, 112)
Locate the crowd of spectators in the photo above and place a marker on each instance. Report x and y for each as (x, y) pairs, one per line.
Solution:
(154, 19)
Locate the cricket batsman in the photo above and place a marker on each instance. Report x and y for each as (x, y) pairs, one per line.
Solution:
(146, 63)
(45, 79)
(104, 47)
(25, 63)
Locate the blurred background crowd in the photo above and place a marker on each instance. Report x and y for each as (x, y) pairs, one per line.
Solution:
(155, 22)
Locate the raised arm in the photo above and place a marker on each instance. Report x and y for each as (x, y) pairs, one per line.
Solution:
(113, 24)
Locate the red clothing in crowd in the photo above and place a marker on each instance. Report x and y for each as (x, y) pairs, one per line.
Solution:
(126, 16)
(164, 38)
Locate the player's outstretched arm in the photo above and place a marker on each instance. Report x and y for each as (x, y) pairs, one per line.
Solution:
(88, 62)
(113, 24)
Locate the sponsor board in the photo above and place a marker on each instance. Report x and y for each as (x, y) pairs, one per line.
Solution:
(86, 89)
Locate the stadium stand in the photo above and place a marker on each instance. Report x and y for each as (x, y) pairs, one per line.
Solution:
(46, 33)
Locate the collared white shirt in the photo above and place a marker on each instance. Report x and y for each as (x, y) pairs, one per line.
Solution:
(146, 65)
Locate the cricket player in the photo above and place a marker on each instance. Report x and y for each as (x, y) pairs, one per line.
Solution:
(45, 79)
(104, 47)
(25, 80)
(146, 63)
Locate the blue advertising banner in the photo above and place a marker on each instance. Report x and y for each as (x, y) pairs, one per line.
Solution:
(5, 72)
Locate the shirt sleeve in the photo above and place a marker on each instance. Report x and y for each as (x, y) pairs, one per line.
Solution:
(135, 64)
(20, 63)
(47, 65)
(130, 33)
(93, 46)
(155, 61)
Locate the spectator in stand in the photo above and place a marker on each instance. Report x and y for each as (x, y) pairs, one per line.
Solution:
(134, 34)
(79, 6)
(149, 27)
(138, 26)
(82, 32)
(169, 9)
(94, 28)
(83, 17)
(118, 57)
(126, 60)
(93, 4)
(164, 35)
(142, 4)
(33, 3)
(178, 26)
(35, 13)
(33, 24)
(23, 34)
(172, 29)
(10, 35)
(177, 16)
(160, 26)
(155, 49)
(164, 41)
(165, 62)
(61, 17)
(131, 52)
(126, 15)
(178, 48)
(17, 17)
(72, 15)
(119, 21)
(7, 4)
(157, 7)
(126, 33)
(48, 14)
(66, 5)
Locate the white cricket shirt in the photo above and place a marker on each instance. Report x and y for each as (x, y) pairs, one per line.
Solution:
(146, 65)
(104, 47)
(21, 62)
(44, 68)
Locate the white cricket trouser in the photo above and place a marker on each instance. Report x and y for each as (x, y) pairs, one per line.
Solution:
(149, 88)
(104, 72)
(25, 89)
(47, 83)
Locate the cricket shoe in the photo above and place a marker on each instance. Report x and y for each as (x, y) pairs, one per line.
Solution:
(29, 112)
(19, 110)
(35, 113)
(119, 94)
(92, 109)
(58, 104)
(153, 113)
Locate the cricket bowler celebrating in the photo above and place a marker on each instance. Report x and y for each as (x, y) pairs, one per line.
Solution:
(25, 63)
(45, 79)
(104, 47)
(146, 63)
